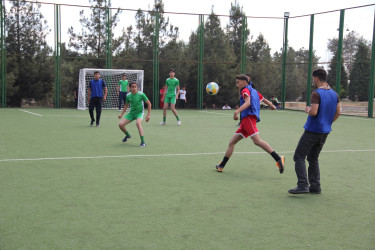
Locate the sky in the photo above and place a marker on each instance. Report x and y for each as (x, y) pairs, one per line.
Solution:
(325, 25)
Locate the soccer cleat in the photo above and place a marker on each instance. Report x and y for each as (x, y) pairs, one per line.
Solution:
(219, 168)
(178, 123)
(126, 138)
(92, 123)
(280, 164)
(162, 123)
(119, 110)
(142, 145)
(97, 124)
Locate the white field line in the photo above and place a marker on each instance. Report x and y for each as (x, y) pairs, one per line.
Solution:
(172, 155)
(29, 112)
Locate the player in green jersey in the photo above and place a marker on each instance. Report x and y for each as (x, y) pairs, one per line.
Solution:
(135, 98)
(170, 96)
(122, 91)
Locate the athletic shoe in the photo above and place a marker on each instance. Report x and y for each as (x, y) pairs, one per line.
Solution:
(178, 123)
(142, 145)
(119, 110)
(126, 138)
(280, 164)
(97, 124)
(92, 123)
(219, 168)
(315, 191)
(299, 190)
(162, 123)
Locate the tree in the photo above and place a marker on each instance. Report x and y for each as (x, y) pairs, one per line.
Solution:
(29, 64)
(360, 75)
(349, 47)
(93, 37)
(234, 28)
(220, 63)
(331, 77)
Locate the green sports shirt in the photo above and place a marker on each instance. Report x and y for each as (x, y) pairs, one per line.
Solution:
(136, 102)
(123, 85)
(172, 85)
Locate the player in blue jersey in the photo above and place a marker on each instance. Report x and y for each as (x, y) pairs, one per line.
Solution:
(250, 105)
(324, 110)
(95, 97)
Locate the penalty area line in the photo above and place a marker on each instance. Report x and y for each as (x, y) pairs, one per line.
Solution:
(171, 155)
(29, 112)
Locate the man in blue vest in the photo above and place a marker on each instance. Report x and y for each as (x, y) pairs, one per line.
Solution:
(324, 110)
(95, 97)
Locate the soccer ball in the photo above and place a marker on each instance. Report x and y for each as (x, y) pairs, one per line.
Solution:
(212, 88)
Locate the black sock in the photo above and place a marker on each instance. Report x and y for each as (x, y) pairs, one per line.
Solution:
(275, 156)
(224, 161)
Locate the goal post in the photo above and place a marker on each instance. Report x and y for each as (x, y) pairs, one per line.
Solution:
(111, 78)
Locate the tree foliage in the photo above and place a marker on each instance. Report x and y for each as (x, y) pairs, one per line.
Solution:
(360, 75)
(29, 57)
(30, 64)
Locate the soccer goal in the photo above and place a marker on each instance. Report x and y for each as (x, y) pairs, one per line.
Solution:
(111, 78)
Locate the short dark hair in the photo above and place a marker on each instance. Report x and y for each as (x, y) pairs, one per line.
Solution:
(242, 77)
(132, 84)
(321, 74)
(171, 70)
(96, 72)
(124, 75)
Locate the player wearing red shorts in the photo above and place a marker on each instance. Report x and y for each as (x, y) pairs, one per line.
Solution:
(250, 105)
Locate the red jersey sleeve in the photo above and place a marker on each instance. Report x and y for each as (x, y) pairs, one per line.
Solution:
(245, 92)
(260, 96)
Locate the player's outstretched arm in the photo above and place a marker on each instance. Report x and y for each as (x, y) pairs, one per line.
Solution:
(148, 110)
(272, 107)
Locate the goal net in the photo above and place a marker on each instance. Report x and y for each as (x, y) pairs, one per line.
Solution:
(111, 78)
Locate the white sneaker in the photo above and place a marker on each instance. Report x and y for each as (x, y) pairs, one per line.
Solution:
(162, 123)
(178, 123)
(119, 110)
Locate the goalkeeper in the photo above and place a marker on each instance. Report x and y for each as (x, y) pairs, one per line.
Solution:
(135, 98)
(122, 91)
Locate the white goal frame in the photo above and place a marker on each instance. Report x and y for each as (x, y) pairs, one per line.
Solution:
(111, 78)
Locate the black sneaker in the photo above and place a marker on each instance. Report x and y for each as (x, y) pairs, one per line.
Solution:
(142, 145)
(126, 138)
(92, 123)
(97, 124)
(298, 190)
(315, 191)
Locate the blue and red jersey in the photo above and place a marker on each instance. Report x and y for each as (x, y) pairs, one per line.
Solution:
(255, 99)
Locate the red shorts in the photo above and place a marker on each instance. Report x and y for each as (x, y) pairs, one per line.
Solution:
(248, 126)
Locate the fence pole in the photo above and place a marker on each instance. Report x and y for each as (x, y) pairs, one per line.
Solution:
(108, 63)
(57, 54)
(243, 45)
(155, 61)
(285, 50)
(309, 70)
(339, 52)
(3, 55)
(200, 61)
(372, 75)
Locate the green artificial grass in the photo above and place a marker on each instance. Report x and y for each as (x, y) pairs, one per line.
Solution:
(66, 185)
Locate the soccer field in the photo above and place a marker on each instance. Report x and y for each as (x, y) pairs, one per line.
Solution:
(66, 185)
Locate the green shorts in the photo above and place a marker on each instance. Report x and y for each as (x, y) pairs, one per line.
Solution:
(170, 99)
(133, 116)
